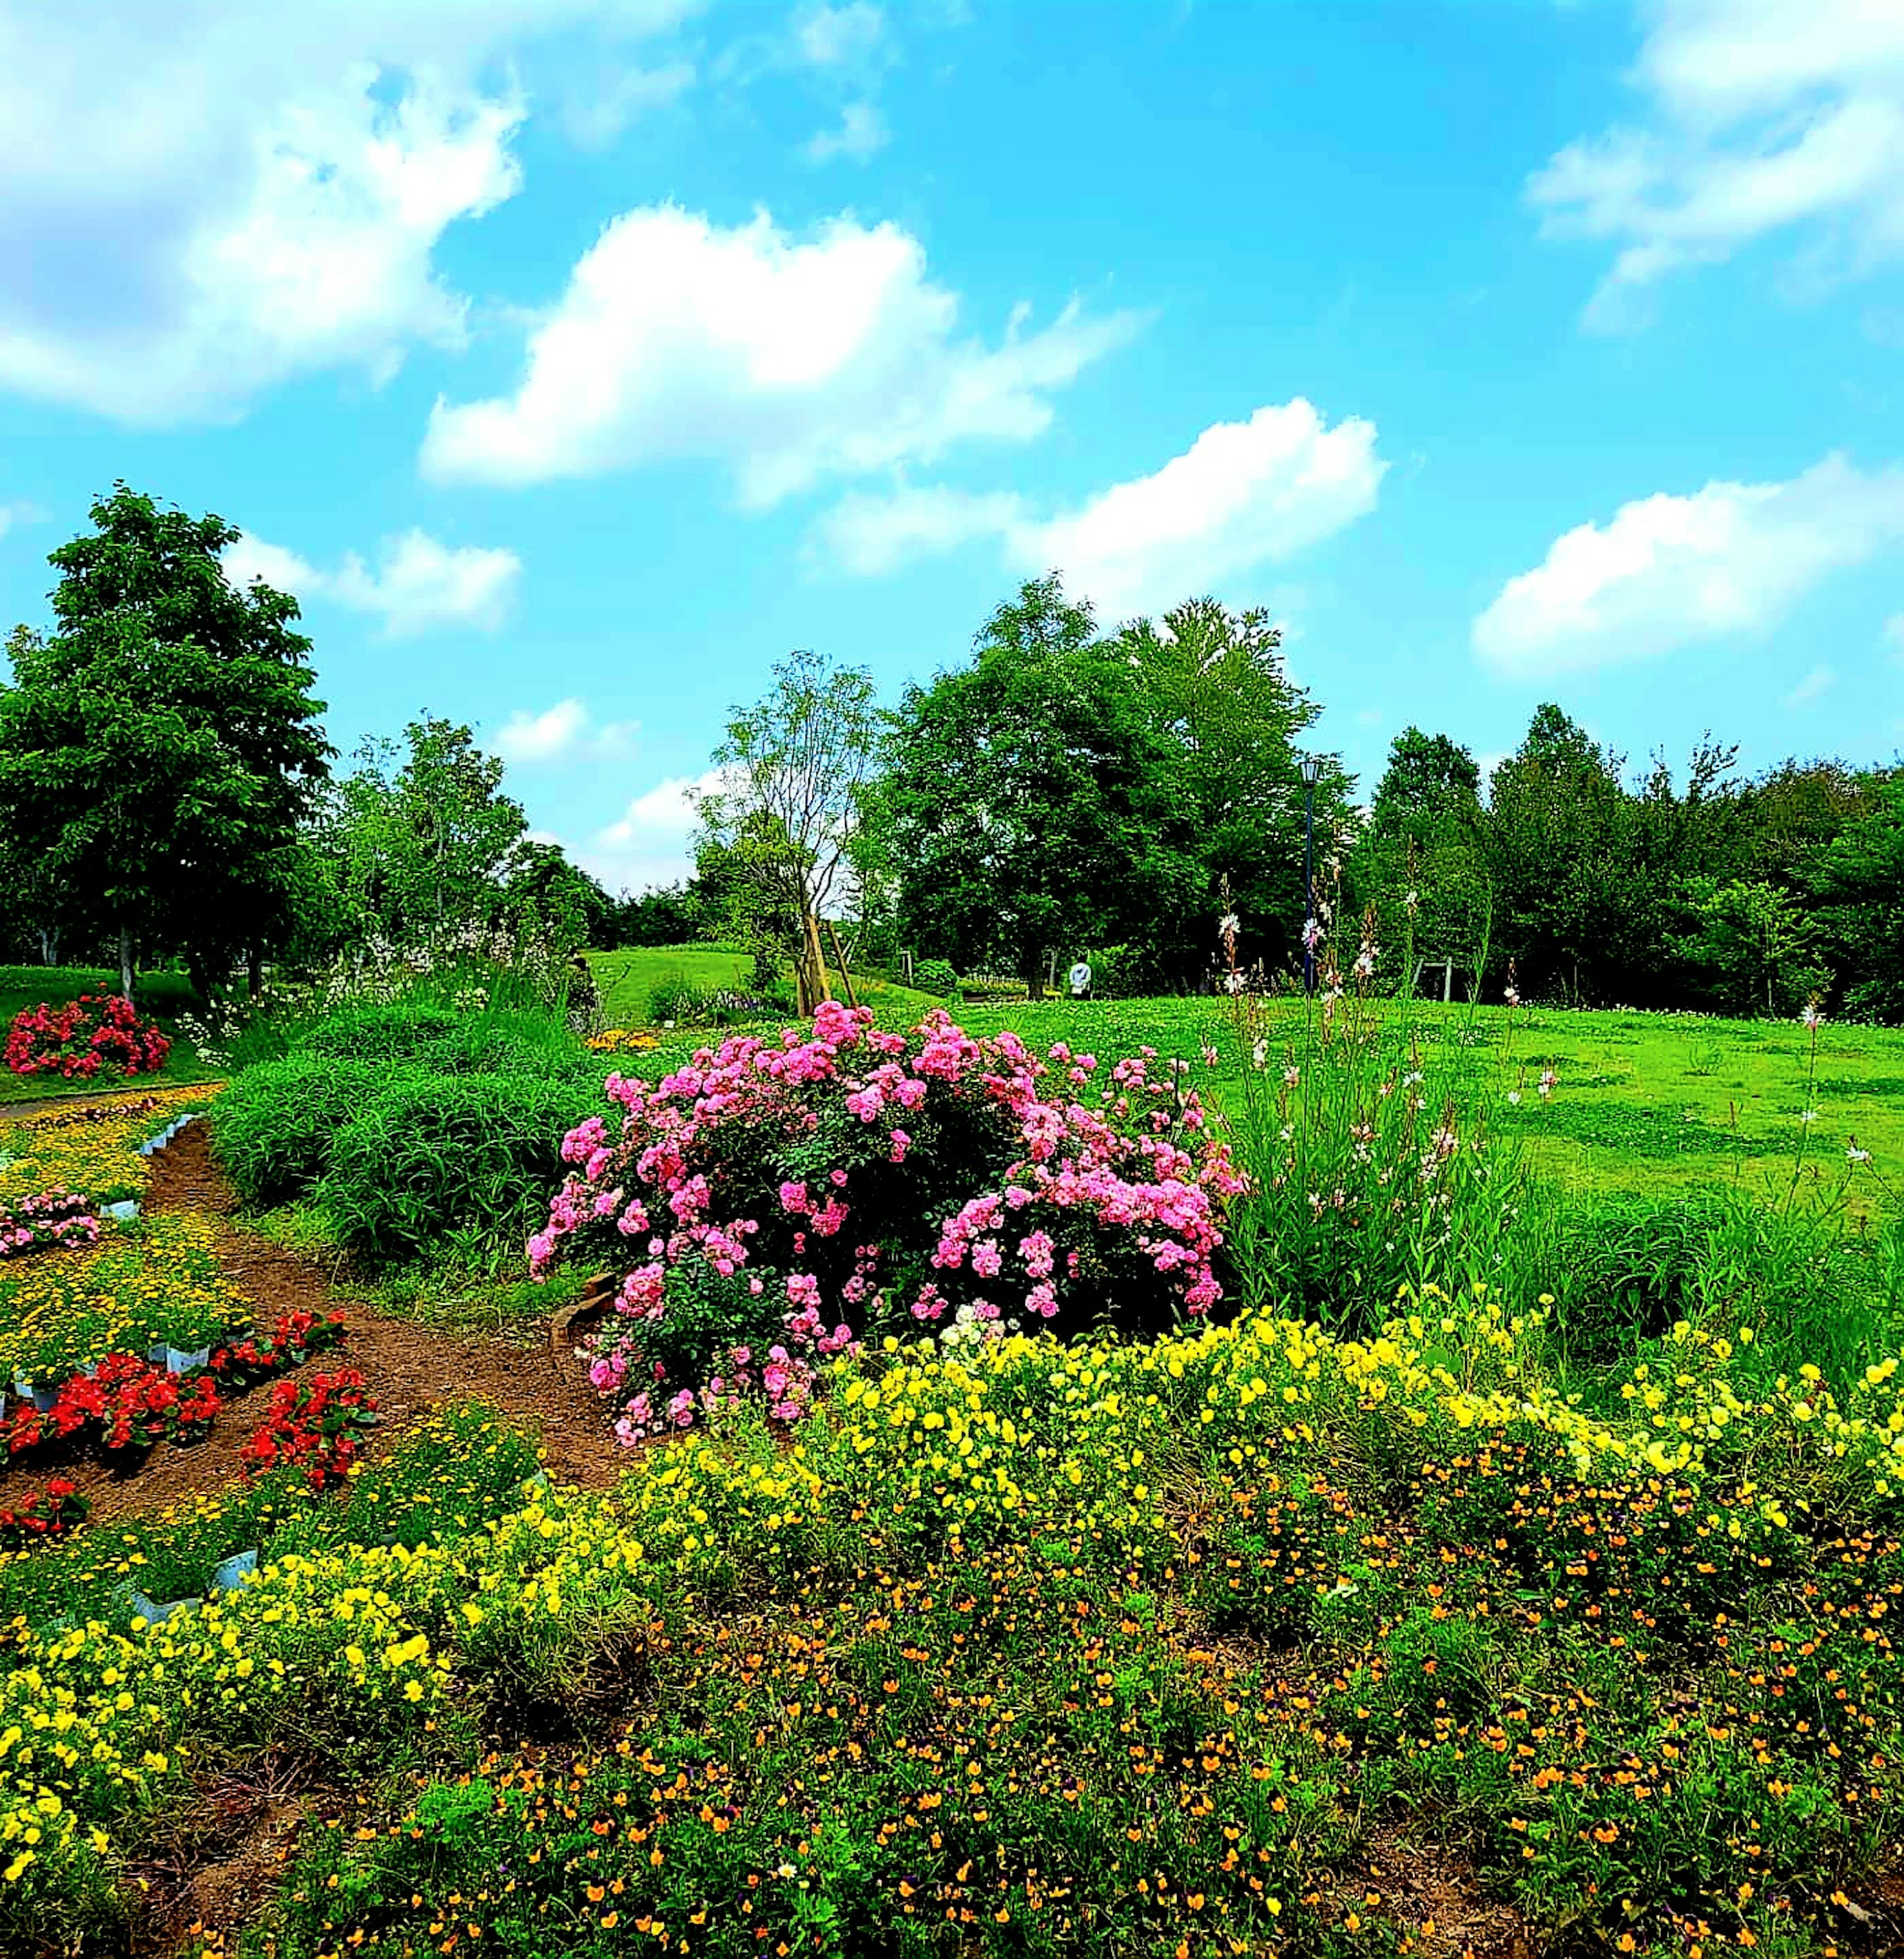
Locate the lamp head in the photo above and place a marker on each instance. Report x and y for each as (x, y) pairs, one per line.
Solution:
(1311, 769)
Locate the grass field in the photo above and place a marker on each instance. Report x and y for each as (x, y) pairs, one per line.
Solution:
(626, 979)
(1654, 1103)
(162, 995)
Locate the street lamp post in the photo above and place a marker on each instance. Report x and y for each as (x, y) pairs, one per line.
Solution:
(1312, 773)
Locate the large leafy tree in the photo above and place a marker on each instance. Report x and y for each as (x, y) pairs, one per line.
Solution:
(1033, 802)
(1228, 718)
(426, 843)
(792, 771)
(159, 748)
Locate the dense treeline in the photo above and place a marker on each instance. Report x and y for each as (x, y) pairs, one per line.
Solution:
(166, 791)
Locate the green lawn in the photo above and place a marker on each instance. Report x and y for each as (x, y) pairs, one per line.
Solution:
(627, 978)
(162, 995)
(1650, 1102)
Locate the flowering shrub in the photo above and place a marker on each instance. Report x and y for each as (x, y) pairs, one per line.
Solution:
(55, 1510)
(47, 1217)
(769, 1205)
(315, 1423)
(621, 1041)
(97, 1034)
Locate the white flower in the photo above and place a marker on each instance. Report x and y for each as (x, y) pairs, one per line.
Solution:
(1855, 1155)
(1811, 1016)
(1807, 1114)
(1514, 1096)
(1229, 925)
(1259, 1054)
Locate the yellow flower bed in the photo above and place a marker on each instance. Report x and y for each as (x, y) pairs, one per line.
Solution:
(100, 1159)
(622, 1040)
(63, 1311)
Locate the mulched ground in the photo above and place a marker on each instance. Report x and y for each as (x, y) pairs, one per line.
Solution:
(409, 1370)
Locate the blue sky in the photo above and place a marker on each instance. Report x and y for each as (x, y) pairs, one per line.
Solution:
(572, 360)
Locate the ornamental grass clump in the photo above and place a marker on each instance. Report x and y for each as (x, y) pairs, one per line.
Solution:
(771, 1205)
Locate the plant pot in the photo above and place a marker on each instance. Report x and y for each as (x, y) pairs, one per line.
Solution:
(155, 1354)
(122, 1212)
(229, 1576)
(43, 1398)
(181, 1361)
(155, 1614)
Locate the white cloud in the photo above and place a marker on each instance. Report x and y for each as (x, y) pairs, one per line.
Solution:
(595, 111)
(854, 37)
(1244, 494)
(1762, 116)
(789, 361)
(871, 536)
(565, 732)
(204, 201)
(20, 512)
(1819, 680)
(1669, 571)
(862, 133)
(648, 843)
(419, 583)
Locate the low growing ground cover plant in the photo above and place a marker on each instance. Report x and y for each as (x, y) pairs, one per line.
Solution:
(99, 1036)
(774, 1203)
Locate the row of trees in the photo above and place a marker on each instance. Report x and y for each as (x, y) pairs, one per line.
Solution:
(167, 789)
(1068, 790)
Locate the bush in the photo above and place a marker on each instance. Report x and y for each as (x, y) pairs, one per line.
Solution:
(804, 1193)
(433, 1159)
(504, 1041)
(1125, 973)
(395, 1032)
(272, 1129)
(936, 976)
(97, 1035)
(680, 1001)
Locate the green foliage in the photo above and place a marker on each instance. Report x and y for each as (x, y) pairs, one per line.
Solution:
(936, 976)
(1860, 883)
(434, 1160)
(1756, 942)
(274, 1127)
(379, 1031)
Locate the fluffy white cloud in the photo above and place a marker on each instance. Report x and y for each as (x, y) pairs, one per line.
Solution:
(788, 361)
(648, 842)
(567, 731)
(853, 36)
(861, 133)
(203, 201)
(1760, 116)
(1669, 571)
(1244, 494)
(418, 583)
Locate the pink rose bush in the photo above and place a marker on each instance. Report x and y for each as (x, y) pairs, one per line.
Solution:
(768, 1207)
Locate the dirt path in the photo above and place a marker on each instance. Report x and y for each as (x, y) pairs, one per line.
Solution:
(408, 1370)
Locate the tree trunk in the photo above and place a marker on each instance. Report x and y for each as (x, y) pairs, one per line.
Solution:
(255, 971)
(125, 962)
(49, 945)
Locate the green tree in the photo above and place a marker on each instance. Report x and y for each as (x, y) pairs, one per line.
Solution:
(159, 748)
(1859, 884)
(793, 770)
(1228, 718)
(1032, 800)
(426, 843)
(1755, 940)
(1421, 860)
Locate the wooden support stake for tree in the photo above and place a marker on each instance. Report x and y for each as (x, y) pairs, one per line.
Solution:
(819, 958)
(846, 978)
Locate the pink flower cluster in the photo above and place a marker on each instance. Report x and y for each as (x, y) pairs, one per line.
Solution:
(786, 1200)
(45, 1218)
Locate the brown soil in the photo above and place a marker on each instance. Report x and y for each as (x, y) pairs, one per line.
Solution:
(408, 1370)
(1443, 1902)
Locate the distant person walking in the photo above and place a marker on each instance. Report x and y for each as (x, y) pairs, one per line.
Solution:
(1080, 981)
